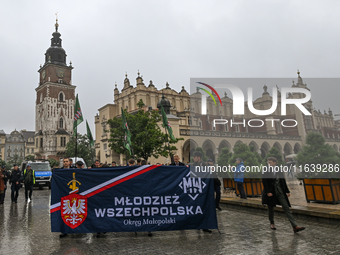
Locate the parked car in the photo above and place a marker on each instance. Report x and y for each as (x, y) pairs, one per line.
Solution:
(43, 173)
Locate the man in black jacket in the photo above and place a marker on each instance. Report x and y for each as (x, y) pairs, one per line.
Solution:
(176, 161)
(198, 161)
(15, 179)
(217, 186)
(276, 192)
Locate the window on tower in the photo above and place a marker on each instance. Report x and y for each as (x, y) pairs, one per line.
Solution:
(61, 123)
(62, 141)
(61, 97)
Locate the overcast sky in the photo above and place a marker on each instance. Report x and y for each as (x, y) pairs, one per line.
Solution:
(168, 41)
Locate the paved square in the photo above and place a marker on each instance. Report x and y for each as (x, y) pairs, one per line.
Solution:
(25, 229)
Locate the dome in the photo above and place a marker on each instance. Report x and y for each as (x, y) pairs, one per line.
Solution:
(165, 103)
(55, 54)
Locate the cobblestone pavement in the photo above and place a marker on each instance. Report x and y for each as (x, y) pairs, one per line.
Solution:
(25, 229)
(297, 196)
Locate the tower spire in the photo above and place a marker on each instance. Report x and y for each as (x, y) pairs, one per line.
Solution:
(56, 22)
(55, 53)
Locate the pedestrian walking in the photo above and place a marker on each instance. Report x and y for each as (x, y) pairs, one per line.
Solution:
(239, 177)
(15, 181)
(276, 192)
(29, 179)
(3, 182)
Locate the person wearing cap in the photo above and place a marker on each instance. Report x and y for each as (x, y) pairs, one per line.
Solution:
(79, 164)
(29, 179)
(15, 180)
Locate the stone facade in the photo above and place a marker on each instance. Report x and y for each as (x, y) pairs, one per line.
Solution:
(54, 103)
(197, 129)
(2, 144)
(15, 145)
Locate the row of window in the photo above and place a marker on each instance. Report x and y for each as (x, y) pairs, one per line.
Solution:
(62, 142)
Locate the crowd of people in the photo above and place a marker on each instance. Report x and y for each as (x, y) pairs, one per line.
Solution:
(16, 179)
(275, 189)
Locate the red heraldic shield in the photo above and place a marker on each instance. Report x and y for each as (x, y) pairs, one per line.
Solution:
(74, 210)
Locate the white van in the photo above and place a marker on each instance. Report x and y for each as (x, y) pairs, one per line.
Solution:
(73, 162)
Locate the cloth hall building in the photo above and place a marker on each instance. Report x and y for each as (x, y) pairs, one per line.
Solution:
(197, 130)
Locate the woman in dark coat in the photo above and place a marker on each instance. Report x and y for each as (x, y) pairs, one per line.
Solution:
(276, 192)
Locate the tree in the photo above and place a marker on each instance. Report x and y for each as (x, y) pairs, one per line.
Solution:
(316, 151)
(199, 149)
(30, 158)
(274, 152)
(257, 155)
(15, 160)
(84, 149)
(2, 162)
(249, 158)
(224, 157)
(54, 162)
(147, 139)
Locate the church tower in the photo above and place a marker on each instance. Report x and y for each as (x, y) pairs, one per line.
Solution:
(54, 102)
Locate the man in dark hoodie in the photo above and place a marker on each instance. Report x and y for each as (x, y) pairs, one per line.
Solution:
(239, 177)
(15, 179)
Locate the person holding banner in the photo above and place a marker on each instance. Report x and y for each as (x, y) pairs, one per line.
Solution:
(199, 162)
(131, 162)
(176, 161)
(66, 165)
(217, 187)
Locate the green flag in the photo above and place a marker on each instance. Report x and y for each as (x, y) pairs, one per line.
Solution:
(127, 134)
(89, 134)
(78, 116)
(166, 124)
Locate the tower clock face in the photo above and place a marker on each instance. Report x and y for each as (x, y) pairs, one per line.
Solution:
(43, 74)
(60, 73)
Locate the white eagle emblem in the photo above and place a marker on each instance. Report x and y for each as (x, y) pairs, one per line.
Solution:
(74, 210)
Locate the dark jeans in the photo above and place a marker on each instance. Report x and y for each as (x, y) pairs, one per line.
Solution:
(15, 189)
(281, 198)
(28, 187)
(218, 195)
(2, 198)
(241, 190)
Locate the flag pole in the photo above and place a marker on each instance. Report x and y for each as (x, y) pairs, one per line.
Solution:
(76, 144)
(166, 131)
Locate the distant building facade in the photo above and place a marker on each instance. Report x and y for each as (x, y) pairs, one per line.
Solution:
(16, 144)
(55, 100)
(2, 144)
(197, 130)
